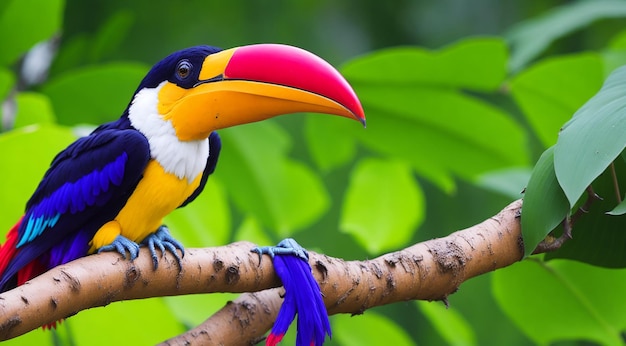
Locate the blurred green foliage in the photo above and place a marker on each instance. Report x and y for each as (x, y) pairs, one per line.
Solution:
(461, 97)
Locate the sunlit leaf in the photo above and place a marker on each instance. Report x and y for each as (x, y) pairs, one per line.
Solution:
(330, 141)
(545, 204)
(35, 337)
(551, 91)
(23, 23)
(593, 138)
(441, 131)
(530, 38)
(6, 82)
(205, 221)
(476, 64)
(33, 108)
(416, 111)
(383, 205)
(26, 155)
(131, 322)
(563, 300)
(250, 230)
(94, 94)
(368, 329)
(192, 310)
(262, 180)
(452, 327)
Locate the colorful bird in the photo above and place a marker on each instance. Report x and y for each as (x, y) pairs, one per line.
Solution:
(110, 190)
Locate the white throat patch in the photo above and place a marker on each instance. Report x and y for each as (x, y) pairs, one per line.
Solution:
(184, 159)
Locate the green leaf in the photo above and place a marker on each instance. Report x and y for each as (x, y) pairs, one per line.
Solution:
(416, 112)
(563, 300)
(330, 140)
(26, 155)
(250, 230)
(23, 23)
(441, 131)
(531, 37)
(192, 310)
(6, 82)
(95, 94)
(545, 204)
(551, 91)
(454, 329)
(476, 64)
(509, 182)
(119, 323)
(620, 209)
(33, 108)
(205, 221)
(35, 337)
(111, 34)
(598, 238)
(618, 42)
(383, 205)
(593, 138)
(368, 329)
(263, 181)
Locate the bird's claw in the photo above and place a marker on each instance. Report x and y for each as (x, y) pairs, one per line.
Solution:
(122, 245)
(287, 246)
(164, 241)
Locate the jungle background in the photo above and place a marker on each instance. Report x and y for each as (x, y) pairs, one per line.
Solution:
(461, 99)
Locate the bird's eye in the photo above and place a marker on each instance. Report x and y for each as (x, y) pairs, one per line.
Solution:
(183, 69)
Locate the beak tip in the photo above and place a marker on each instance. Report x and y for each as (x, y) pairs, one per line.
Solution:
(363, 122)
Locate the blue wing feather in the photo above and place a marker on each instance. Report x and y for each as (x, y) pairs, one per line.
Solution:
(86, 186)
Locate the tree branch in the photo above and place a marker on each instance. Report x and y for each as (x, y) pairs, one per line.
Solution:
(430, 270)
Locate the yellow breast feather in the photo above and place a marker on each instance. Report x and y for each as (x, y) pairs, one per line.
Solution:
(156, 195)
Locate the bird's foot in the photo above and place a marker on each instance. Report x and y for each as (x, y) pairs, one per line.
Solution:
(122, 245)
(287, 246)
(164, 241)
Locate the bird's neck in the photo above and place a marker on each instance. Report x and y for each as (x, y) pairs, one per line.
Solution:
(184, 159)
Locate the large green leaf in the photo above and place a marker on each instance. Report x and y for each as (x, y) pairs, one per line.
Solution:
(593, 138)
(545, 204)
(449, 323)
(531, 37)
(368, 329)
(282, 193)
(383, 205)
(6, 82)
(133, 322)
(416, 111)
(192, 310)
(475, 64)
(330, 140)
(441, 131)
(95, 94)
(33, 108)
(23, 23)
(111, 34)
(563, 300)
(598, 238)
(205, 221)
(26, 155)
(552, 90)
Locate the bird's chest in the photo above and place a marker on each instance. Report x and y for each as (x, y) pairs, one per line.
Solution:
(157, 194)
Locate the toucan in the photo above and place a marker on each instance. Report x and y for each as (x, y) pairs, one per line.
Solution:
(110, 190)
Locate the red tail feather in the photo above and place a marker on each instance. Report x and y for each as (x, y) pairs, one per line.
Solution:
(8, 250)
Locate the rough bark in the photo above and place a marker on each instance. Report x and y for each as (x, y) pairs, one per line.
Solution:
(430, 270)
